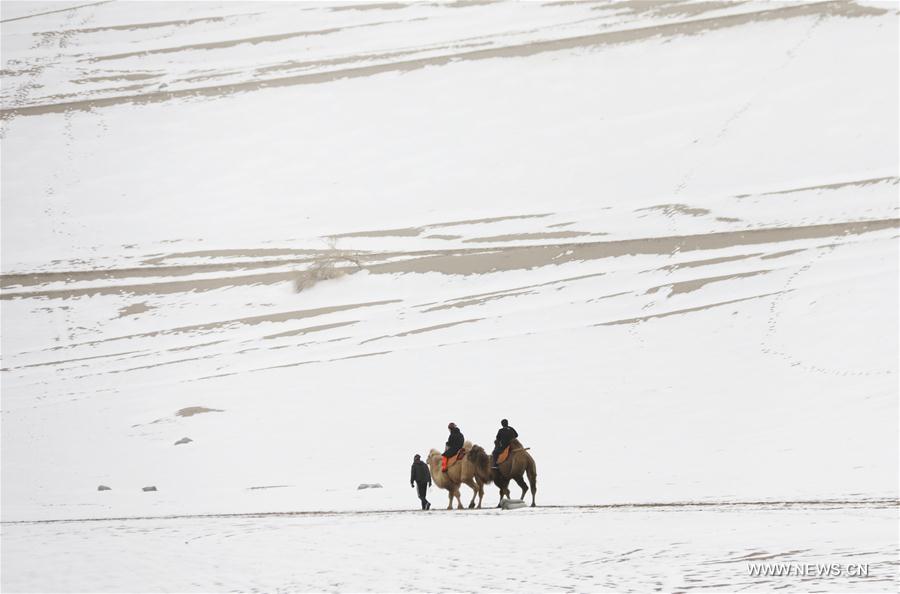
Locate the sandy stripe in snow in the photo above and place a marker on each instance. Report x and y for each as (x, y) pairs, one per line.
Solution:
(691, 27)
(471, 261)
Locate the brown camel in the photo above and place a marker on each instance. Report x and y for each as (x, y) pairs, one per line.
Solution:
(474, 470)
(514, 467)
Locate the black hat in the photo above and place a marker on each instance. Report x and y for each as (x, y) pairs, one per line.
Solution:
(504, 422)
(451, 426)
(417, 457)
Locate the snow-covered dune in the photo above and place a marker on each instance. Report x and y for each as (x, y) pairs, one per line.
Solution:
(660, 238)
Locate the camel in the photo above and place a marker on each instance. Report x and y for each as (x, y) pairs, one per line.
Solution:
(474, 470)
(517, 464)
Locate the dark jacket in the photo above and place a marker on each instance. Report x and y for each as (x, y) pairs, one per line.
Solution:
(420, 473)
(505, 435)
(455, 442)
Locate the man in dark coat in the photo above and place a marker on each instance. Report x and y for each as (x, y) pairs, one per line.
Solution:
(504, 436)
(454, 444)
(421, 476)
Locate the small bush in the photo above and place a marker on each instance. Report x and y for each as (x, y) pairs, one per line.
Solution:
(328, 265)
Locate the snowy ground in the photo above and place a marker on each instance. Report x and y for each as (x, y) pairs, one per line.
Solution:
(661, 238)
(546, 550)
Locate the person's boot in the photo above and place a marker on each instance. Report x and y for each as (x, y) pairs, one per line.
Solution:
(427, 505)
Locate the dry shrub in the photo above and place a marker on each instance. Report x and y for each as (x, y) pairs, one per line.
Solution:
(328, 265)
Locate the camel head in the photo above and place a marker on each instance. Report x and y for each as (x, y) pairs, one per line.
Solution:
(434, 458)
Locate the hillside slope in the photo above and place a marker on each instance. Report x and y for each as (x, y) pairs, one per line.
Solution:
(660, 238)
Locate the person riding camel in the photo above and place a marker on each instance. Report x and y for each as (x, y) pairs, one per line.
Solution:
(454, 443)
(505, 435)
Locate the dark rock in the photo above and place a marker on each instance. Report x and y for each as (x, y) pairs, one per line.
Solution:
(369, 486)
(184, 440)
(103, 488)
(149, 489)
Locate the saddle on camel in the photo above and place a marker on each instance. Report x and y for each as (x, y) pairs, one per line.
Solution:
(454, 447)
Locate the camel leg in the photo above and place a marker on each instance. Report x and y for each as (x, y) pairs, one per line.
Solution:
(532, 479)
(521, 482)
(459, 504)
(450, 495)
(480, 484)
(503, 491)
(472, 486)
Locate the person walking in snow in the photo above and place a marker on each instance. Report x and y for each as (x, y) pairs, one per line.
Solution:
(454, 443)
(505, 435)
(420, 477)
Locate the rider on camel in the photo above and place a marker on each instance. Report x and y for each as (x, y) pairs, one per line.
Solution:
(505, 435)
(454, 443)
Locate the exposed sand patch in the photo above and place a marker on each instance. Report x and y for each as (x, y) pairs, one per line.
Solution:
(859, 183)
(524, 257)
(137, 26)
(377, 6)
(528, 236)
(673, 209)
(134, 309)
(357, 59)
(191, 347)
(239, 253)
(248, 321)
(117, 78)
(489, 220)
(195, 410)
(780, 254)
(296, 364)
(690, 9)
(479, 301)
(76, 360)
(452, 261)
(695, 284)
(36, 14)
(574, 2)
(421, 330)
(633, 6)
(151, 366)
(709, 261)
(361, 356)
(231, 42)
(416, 231)
(482, 297)
(684, 311)
(444, 237)
(124, 355)
(162, 288)
(72, 276)
(405, 232)
(837, 8)
(310, 329)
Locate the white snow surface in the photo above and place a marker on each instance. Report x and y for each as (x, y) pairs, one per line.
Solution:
(659, 238)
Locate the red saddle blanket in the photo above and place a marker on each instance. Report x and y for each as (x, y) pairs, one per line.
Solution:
(503, 455)
(446, 463)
